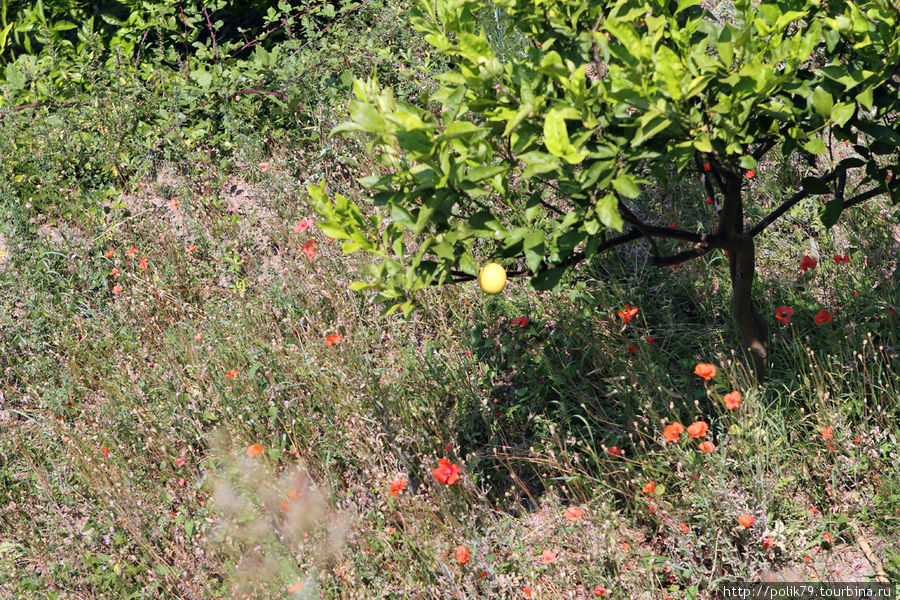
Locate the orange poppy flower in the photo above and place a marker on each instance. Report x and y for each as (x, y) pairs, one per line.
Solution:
(332, 339)
(462, 554)
(173, 203)
(745, 520)
(294, 495)
(130, 251)
(600, 591)
(768, 542)
(144, 263)
(309, 249)
(284, 506)
(614, 451)
(295, 588)
(706, 446)
(627, 313)
(254, 450)
(105, 451)
(732, 400)
(705, 370)
(191, 249)
(672, 432)
(827, 537)
(117, 289)
(526, 591)
(684, 527)
(397, 486)
(649, 487)
(573, 513)
(827, 433)
(749, 174)
(231, 374)
(114, 272)
(446, 473)
(109, 253)
(784, 314)
(263, 166)
(548, 556)
(698, 429)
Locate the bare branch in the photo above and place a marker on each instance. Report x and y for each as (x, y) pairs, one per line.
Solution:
(788, 204)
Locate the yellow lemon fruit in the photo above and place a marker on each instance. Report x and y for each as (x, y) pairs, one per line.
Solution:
(492, 278)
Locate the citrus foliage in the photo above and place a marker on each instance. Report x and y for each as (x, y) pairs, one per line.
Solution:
(536, 158)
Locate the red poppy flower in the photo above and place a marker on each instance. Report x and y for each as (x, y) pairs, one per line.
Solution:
(462, 554)
(191, 249)
(768, 542)
(706, 446)
(144, 264)
(627, 313)
(173, 204)
(784, 314)
(749, 174)
(684, 527)
(109, 253)
(397, 486)
(709, 200)
(649, 487)
(130, 251)
(446, 473)
(526, 591)
(672, 432)
(827, 537)
(614, 451)
(302, 225)
(698, 429)
(632, 348)
(254, 450)
(105, 451)
(745, 520)
(707, 167)
(332, 339)
(114, 272)
(823, 316)
(263, 166)
(548, 556)
(732, 400)
(650, 340)
(309, 249)
(600, 591)
(705, 370)
(231, 374)
(827, 433)
(117, 289)
(573, 513)
(808, 263)
(520, 321)
(838, 259)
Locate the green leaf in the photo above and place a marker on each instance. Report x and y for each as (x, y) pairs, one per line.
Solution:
(556, 138)
(548, 279)
(815, 146)
(608, 211)
(830, 212)
(822, 102)
(842, 111)
(625, 185)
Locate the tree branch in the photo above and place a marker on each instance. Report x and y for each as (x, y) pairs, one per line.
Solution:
(789, 203)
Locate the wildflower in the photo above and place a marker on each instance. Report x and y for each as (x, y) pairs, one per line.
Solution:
(191, 249)
(698, 429)
(707, 167)
(573, 513)
(173, 203)
(768, 542)
(705, 370)
(707, 447)
(198, 336)
(131, 251)
(295, 588)
(808, 263)
(709, 200)
(632, 348)
(179, 461)
(462, 554)
(143, 263)
(749, 174)
(446, 473)
(284, 506)
(332, 339)
(828, 537)
(684, 527)
(650, 340)
(263, 166)
(520, 321)
(105, 451)
(745, 520)
(117, 289)
(600, 591)
(309, 249)
(548, 556)
(254, 450)
(109, 253)
(526, 591)
(114, 272)
(231, 374)
(181, 482)
(627, 313)
(827, 433)
(302, 225)
(807, 558)
(813, 509)
(784, 314)
(732, 400)
(397, 486)
(838, 259)
(614, 451)
(823, 316)
(672, 432)
(649, 487)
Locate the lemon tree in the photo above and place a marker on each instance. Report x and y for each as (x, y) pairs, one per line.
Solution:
(544, 159)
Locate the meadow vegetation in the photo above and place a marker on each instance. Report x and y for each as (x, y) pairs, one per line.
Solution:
(193, 404)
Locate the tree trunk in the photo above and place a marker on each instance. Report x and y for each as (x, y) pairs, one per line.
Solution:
(742, 265)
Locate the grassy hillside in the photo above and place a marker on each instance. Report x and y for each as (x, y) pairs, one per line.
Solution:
(193, 405)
